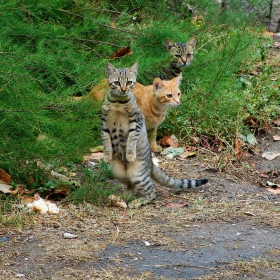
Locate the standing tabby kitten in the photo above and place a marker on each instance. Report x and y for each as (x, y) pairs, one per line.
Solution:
(125, 139)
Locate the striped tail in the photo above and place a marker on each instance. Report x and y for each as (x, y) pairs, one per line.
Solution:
(160, 177)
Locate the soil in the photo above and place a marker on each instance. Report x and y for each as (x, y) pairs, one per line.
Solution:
(227, 229)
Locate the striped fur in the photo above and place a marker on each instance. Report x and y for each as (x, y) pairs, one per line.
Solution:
(125, 138)
(182, 54)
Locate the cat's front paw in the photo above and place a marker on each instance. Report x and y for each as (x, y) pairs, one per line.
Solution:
(130, 156)
(107, 157)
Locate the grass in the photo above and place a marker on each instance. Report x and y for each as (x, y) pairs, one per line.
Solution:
(56, 50)
(13, 216)
(96, 188)
(104, 228)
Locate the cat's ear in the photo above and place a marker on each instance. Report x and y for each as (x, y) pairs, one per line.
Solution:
(110, 69)
(178, 79)
(169, 44)
(157, 84)
(192, 42)
(134, 68)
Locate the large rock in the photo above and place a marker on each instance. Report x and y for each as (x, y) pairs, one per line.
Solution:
(274, 25)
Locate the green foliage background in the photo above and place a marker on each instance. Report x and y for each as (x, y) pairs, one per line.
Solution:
(52, 51)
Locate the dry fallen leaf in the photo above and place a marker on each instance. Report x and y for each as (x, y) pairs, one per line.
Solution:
(6, 188)
(270, 155)
(276, 122)
(121, 52)
(267, 34)
(275, 191)
(251, 139)
(169, 141)
(77, 98)
(187, 154)
(236, 146)
(115, 200)
(173, 151)
(42, 137)
(254, 73)
(197, 20)
(9, 189)
(276, 45)
(7, 178)
(262, 175)
(276, 137)
(96, 149)
(92, 157)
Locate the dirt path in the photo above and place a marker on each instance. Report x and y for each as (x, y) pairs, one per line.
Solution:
(228, 229)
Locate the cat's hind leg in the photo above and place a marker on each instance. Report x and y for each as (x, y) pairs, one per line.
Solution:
(141, 182)
(146, 189)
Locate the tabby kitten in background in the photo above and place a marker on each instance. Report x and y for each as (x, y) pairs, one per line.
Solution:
(125, 139)
(182, 54)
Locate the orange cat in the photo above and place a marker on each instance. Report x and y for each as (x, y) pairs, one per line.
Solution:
(153, 100)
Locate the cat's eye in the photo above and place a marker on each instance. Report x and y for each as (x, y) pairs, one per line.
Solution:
(189, 55)
(179, 93)
(129, 83)
(177, 55)
(117, 83)
(169, 95)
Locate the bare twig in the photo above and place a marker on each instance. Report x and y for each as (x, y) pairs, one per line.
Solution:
(99, 23)
(67, 38)
(93, 41)
(27, 111)
(103, 10)
(8, 52)
(210, 41)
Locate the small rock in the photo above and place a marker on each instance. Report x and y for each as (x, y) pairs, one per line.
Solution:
(68, 235)
(4, 239)
(147, 243)
(249, 213)
(169, 156)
